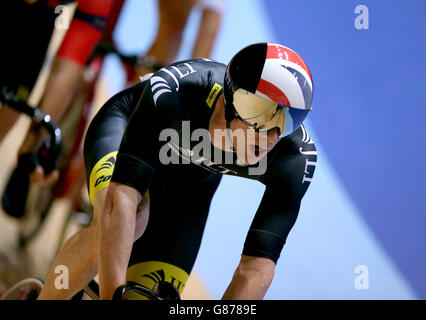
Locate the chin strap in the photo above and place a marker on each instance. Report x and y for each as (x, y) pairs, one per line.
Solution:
(228, 132)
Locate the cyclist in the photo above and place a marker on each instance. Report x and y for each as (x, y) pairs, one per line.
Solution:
(34, 23)
(83, 34)
(67, 68)
(80, 40)
(262, 96)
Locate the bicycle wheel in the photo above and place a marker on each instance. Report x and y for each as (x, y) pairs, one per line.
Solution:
(27, 289)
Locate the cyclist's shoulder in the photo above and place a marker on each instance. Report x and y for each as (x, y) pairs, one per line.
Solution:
(289, 156)
(203, 64)
(194, 73)
(126, 100)
(295, 144)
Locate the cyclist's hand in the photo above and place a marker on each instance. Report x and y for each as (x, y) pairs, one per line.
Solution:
(39, 177)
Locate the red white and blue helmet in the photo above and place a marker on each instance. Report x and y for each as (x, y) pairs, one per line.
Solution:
(268, 85)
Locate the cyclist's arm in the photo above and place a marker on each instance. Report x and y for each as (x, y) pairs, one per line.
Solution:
(116, 236)
(116, 230)
(251, 280)
(275, 217)
(130, 180)
(158, 107)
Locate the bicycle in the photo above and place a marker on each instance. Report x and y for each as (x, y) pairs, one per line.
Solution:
(21, 198)
(50, 154)
(19, 184)
(28, 289)
(38, 200)
(70, 160)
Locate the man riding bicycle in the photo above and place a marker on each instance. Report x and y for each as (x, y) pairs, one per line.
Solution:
(155, 154)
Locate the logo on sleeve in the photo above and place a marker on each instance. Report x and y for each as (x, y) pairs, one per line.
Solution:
(213, 94)
(107, 164)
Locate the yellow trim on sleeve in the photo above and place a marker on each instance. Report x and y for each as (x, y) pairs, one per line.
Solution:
(101, 174)
(213, 94)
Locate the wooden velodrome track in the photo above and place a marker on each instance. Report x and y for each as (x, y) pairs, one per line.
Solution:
(17, 263)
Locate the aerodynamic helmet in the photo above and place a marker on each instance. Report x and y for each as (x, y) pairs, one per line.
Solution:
(268, 85)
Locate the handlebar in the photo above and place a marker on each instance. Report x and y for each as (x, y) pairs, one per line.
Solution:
(135, 287)
(130, 61)
(8, 98)
(162, 291)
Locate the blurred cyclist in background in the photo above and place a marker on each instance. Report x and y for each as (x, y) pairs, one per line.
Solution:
(83, 34)
(90, 25)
